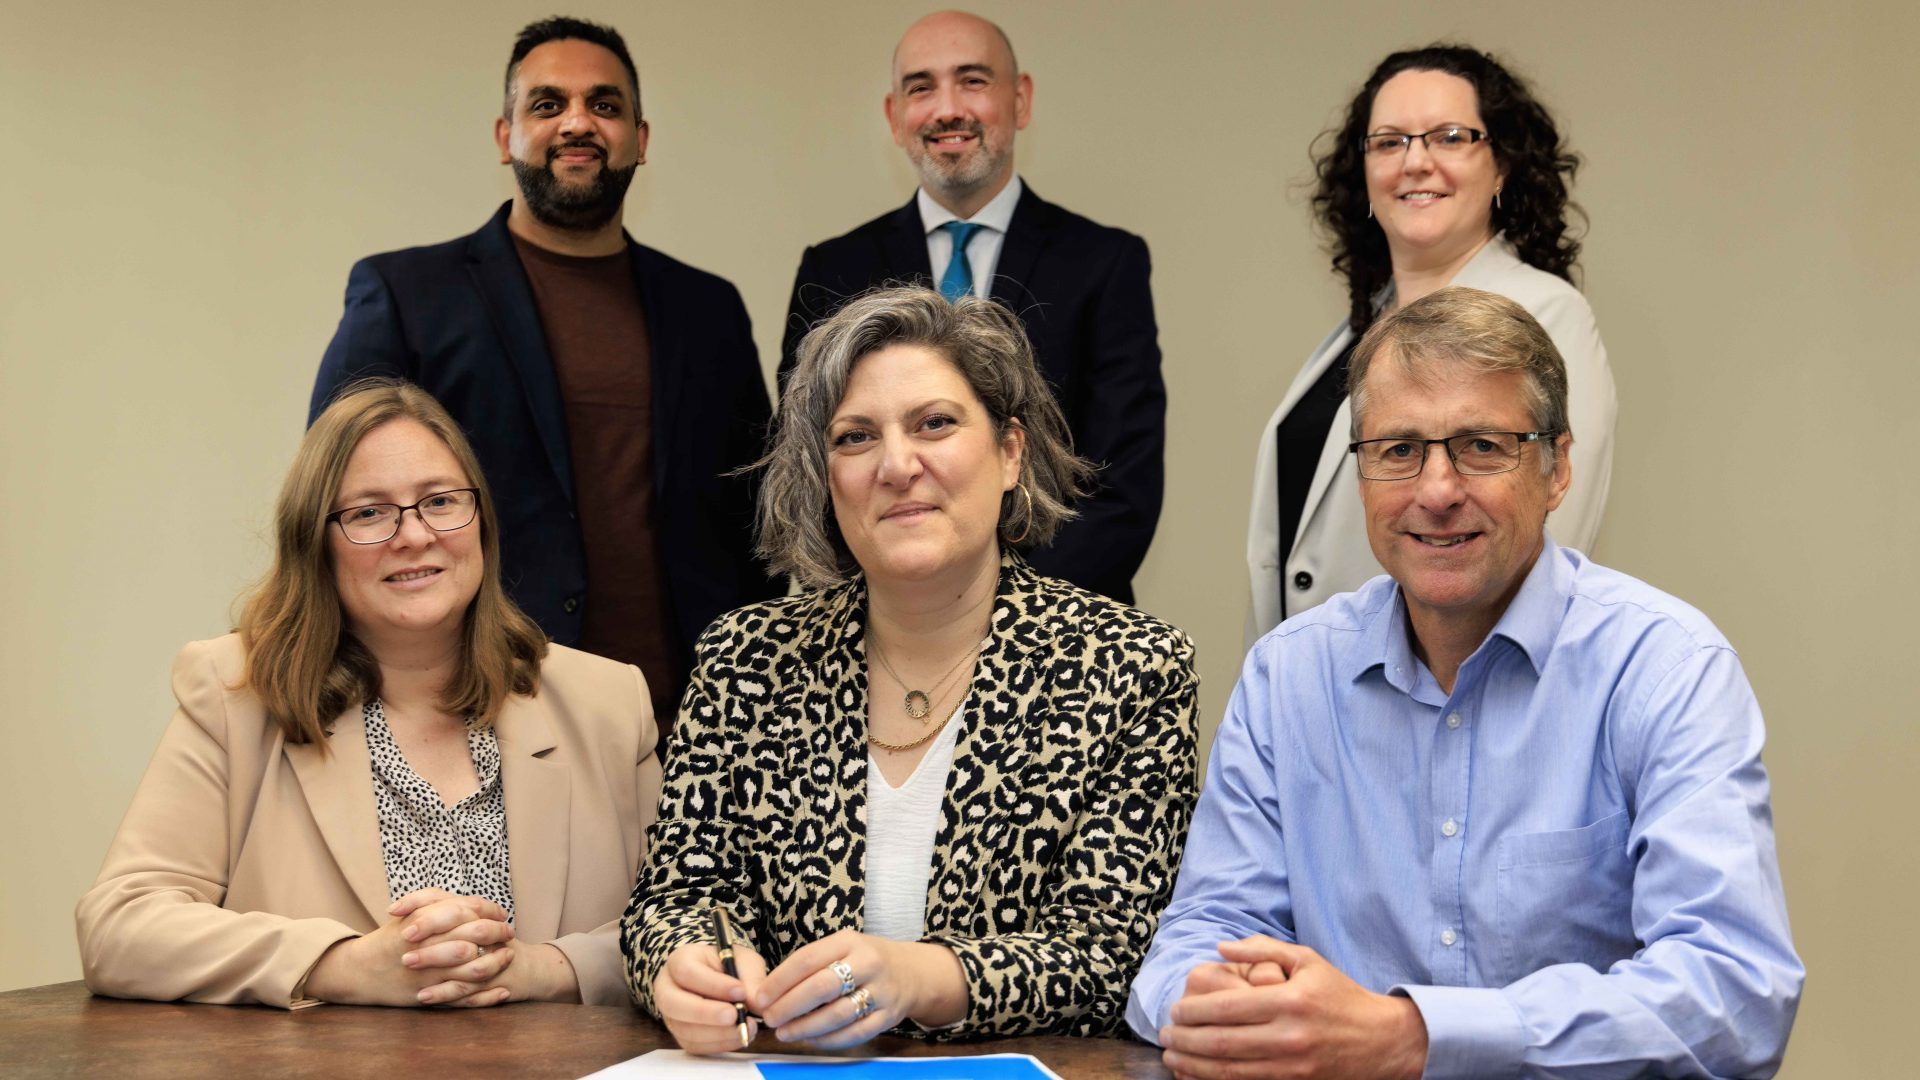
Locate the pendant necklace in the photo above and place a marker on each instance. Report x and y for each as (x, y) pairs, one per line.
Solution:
(919, 703)
(937, 729)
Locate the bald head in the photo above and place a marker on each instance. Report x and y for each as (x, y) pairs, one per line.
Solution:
(955, 25)
(956, 101)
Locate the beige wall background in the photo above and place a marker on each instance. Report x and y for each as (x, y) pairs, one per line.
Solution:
(183, 187)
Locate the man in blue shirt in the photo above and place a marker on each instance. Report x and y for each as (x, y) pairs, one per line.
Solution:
(1498, 813)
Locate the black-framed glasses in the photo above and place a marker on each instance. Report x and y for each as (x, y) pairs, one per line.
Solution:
(1475, 453)
(1446, 140)
(376, 523)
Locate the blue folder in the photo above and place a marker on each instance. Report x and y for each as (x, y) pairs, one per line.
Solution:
(992, 1067)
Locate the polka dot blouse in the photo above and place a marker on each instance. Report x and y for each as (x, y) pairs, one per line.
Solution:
(428, 844)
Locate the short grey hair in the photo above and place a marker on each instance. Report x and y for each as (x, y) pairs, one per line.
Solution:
(987, 344)
(1481, 330)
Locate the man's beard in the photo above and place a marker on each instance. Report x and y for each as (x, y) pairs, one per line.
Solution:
(573, 207)
(967, 174)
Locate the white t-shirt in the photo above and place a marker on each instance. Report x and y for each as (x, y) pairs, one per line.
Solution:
(902, 823)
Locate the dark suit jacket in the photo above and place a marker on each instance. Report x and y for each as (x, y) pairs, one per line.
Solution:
(1081, 289)
(459, 320)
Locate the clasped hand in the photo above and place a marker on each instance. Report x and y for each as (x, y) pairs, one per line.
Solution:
(437, 949)
(1272, 1009)
(804, 999)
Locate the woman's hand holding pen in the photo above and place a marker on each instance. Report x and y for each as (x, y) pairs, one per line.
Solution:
(696, 997)
(848, 987)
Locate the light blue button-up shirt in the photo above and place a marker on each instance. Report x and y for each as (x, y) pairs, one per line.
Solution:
(1567, 863)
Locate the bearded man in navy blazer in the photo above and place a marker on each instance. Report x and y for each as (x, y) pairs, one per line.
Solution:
(1081, 288)
(609, 390)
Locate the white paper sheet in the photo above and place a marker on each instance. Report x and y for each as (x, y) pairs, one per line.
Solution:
(680, 1065)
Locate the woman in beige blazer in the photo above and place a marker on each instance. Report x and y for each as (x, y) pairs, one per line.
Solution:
(386, 787)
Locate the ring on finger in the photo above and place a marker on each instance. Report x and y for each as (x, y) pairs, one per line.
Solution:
(845, 971)
(862, 1002)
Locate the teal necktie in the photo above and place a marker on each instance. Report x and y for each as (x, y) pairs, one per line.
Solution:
(958, 280)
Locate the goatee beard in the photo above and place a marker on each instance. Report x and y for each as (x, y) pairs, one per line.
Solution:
(956, 177)
(573, 207)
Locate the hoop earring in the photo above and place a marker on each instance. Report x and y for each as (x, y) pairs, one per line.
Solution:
(1370, 209)
(1029, 529)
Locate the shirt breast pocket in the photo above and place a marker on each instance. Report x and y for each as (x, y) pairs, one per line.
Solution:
(1566, 897)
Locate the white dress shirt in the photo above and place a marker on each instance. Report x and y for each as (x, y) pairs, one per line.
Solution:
(983, 251)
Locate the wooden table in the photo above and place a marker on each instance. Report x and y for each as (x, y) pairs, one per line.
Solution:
(61, 1031)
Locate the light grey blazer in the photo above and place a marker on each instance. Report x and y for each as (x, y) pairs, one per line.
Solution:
(1330, 553)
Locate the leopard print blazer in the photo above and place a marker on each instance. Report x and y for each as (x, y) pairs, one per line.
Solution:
(1066, 809)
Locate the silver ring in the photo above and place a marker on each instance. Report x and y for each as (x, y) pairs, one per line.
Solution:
(483, 951)
(862, 1003)
(845, 971)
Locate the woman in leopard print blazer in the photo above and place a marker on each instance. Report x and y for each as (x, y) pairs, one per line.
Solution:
(901, 844)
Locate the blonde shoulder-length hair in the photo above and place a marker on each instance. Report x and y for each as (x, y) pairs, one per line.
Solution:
(302, 660)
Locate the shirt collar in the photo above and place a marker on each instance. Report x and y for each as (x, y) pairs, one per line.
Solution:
(1531, 622)
(1490, 266)
(996, 215)
(1488, 269)
(1384, 643)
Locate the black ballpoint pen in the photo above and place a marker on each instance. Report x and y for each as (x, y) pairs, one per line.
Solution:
(723, 942)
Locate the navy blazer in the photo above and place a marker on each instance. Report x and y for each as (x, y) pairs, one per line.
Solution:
(459, 320)
(1081, 289)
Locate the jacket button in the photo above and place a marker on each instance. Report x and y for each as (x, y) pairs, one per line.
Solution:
(1303, 581)
(572, 605)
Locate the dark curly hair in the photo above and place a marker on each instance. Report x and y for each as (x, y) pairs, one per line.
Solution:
(1539, 168)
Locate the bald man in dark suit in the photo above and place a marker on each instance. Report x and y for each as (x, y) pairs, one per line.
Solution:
(1081, 288)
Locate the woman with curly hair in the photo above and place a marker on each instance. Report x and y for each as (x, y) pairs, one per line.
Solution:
(1445, 171)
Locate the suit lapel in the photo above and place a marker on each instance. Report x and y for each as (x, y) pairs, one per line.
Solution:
(1000, 740)
(1333, 455)
(906, 247)
(508, 300)
(538, 793)
(840, 676)
(668, 373)
(337, 779)
(1027, 233)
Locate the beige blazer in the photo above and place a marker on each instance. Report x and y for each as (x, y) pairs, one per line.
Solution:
(243, 857)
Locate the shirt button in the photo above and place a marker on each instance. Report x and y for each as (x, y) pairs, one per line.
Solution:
(1448, 937)
(572, 605)
(1303, 581)
(1453, 720)
(1449, 828)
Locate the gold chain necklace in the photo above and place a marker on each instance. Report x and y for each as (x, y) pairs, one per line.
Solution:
(919, 703)
(937, 729)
